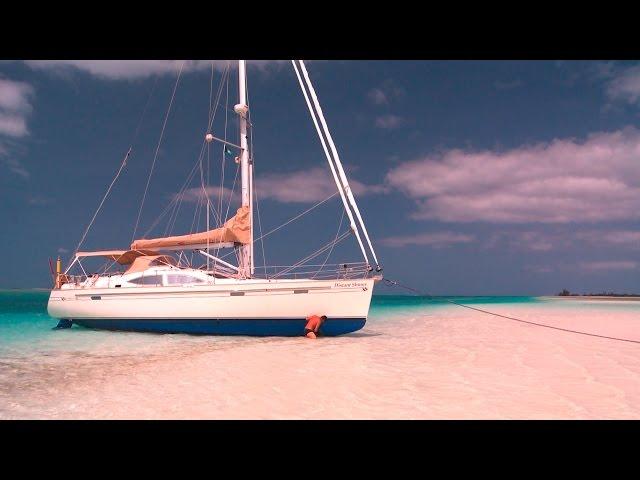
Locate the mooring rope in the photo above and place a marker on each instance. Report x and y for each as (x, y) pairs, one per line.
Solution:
(431, 297)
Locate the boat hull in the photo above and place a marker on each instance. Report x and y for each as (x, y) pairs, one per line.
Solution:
(259, 327)
(269, 308)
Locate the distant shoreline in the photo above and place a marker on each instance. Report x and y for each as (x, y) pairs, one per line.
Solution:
(628, 298)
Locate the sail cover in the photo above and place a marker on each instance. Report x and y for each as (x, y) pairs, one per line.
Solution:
(143, 263)
(237, 230)
(123, 257)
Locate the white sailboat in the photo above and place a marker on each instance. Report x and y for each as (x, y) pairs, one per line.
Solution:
(156, 292)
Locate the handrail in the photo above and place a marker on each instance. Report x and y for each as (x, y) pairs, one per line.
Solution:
(333, 271)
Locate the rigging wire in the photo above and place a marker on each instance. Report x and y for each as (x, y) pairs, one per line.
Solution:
(339, 183)
(330, 251)
(122, 165)
(253, 184)
(84, 235)
(345, 184)
(313, 255)
(224, 156)
(226, 215)
(433, 297)
(207, 146)
(291, 219)
(212, 116)
(153, 164)
(144, 111)
(264, 258)
(176, 203)
(178, 199)
(298, 216)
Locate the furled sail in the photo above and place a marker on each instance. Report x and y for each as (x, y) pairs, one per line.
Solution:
(236, 230)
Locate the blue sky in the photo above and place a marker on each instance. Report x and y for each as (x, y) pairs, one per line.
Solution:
(474, 177)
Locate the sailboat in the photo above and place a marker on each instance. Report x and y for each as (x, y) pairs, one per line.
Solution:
(152, 290)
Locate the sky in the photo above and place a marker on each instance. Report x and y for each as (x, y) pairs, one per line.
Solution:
(473, 177)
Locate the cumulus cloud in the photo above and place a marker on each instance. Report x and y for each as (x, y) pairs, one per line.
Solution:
(623, 83)
(432, 239)
(306, 186)
(135, 69)
(13, 125)
(563, 181)
(377, 96)
(385, 93)
(388, 122)
(15, 96)
(15, 107)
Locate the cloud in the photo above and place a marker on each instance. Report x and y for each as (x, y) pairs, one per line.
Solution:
(562, 181)
(14, 165)
(136, 69)
(15, 96)
(306, 186)
(433, 239)
(388, 122)
(196, 194)
(585, 266)
(623, 84)
(609, 265)
(63, 250)
(15, 105)
(617, 238)
(528, 240)
(377, 97)
(385, 93)
(539, 269)
(508, 85)
(13, 125)
(562, 238)
(38, 200)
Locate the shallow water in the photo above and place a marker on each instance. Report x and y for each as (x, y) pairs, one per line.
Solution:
(415, 358)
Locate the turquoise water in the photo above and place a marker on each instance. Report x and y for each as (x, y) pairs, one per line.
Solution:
(417, 357)
(26, 328)
(387, 303)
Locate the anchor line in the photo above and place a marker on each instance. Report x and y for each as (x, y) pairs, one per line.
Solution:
(433, 297)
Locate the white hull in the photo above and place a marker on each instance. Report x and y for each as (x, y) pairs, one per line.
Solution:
(344, 302)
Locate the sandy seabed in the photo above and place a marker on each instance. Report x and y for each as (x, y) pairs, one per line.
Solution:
(438, 362)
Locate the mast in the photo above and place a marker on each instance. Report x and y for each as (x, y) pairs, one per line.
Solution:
(246, 259)
(334, 162)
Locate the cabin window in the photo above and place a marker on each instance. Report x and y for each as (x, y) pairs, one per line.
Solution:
(180, 279)
(148, 280)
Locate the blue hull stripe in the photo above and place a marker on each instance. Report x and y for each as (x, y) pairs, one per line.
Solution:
(252, 327)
